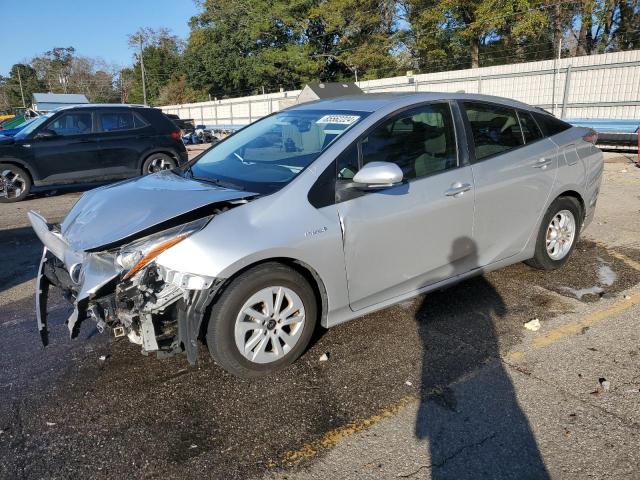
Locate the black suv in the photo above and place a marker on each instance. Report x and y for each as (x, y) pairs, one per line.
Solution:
(87, 144)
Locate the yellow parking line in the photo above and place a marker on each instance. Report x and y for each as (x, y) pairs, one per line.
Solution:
(620, 256)
(329, 439)
(575, 327)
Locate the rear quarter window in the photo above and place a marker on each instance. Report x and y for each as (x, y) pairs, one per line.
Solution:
(549, 124)
(157, 119)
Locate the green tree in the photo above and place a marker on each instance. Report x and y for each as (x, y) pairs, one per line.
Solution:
(25, 74)
(162, 60)
(356, 37)
(241, 47)
(177, 91)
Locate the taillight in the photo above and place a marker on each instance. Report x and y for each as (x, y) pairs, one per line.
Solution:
(176, 135)
(591, 137)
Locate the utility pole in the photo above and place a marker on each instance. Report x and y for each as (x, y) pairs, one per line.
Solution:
(556, 72)
(144, 84)
(20, 82)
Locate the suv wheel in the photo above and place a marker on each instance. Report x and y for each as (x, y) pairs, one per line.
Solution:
(263, 321)
(15, 183)
(558, 235)
(157, 162)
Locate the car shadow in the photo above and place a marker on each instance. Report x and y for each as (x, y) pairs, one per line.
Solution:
(469, 411)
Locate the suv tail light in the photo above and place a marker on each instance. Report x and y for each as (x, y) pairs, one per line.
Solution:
(591, 137)
(176, 135)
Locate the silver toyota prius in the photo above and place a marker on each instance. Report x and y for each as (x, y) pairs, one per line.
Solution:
(316, 215)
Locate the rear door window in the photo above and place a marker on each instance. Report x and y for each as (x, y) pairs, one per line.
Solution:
(72, 123)
(115, 121)
(495, 129)
(529, 127)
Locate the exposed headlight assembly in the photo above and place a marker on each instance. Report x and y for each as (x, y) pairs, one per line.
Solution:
(136, 255)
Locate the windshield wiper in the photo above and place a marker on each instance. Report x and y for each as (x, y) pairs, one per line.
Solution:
(218, 182)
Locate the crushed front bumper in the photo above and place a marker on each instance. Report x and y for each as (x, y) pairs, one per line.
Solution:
(149, 308)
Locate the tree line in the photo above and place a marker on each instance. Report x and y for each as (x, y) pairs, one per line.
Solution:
(243, 47)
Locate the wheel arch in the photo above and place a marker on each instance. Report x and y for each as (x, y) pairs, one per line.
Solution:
(577, 196)
(22, 165)
(306, 270)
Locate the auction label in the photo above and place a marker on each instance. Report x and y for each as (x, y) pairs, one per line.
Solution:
(339, 119)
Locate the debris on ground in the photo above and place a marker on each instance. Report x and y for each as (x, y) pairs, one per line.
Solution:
(50, 424)
(627, 297)
(533, 325)
(102, 358)
(408, 383)
(604, 383)
(324, 357)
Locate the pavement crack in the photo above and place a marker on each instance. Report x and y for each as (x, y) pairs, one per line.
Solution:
(448, 458)
(626, 421)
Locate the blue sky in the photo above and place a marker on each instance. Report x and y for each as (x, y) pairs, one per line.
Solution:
(96, 28)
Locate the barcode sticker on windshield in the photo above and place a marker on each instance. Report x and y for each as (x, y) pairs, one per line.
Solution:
(339, 119)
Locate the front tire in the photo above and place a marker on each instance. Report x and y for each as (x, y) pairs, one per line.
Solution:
(263, 321)
(558, 234)
(15, 183)
(156, 162)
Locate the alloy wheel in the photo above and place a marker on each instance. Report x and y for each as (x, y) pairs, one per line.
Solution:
(11, 184)
(561, 233)
(158, 164)
(269, 324)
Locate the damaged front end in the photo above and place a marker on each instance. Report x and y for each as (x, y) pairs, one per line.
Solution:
(124, 290)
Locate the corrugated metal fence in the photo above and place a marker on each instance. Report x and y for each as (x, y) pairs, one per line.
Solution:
(595, 86)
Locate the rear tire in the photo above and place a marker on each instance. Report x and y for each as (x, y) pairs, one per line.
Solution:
(156, 162)
(559, 232)
(15, 183)
(243, 330)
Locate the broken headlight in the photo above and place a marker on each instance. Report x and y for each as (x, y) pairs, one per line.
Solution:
(133, 257)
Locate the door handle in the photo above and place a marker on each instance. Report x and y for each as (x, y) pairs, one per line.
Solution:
(543, 163)
(457, 189)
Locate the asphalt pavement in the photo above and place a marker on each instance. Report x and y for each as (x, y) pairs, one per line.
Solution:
(449, 385)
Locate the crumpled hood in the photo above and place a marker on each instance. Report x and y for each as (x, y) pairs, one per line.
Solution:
(112, 213)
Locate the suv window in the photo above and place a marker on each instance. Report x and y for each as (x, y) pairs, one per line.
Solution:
(495, 129)
(530, 129)
(421, 141)
(549, 124)
(111, 121)
(71, 123)
(115, 121)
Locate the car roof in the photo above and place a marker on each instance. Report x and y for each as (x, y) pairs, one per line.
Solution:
(370, 102)
(101, 105)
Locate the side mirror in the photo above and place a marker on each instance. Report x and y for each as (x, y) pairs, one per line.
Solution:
(46, 133)
(378, 175)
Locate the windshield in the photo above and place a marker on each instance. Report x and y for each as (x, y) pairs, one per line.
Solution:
(268, 154)
(33, 124)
